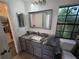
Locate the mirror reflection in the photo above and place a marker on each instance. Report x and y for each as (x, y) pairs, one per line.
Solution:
(41, 19)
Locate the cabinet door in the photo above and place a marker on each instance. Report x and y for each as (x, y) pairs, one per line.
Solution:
(29, 49)
(29, 46)
(23, 44)
(20, 43)
(48, 52)
(37, 51)
(47, 57)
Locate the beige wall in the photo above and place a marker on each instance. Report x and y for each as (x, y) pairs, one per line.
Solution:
(50, 4)
(19, 6)
(16, 6)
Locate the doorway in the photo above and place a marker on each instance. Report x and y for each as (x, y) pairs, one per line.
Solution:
(6, 27)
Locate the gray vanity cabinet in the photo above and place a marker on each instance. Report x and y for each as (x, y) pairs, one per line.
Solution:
(37, 49)
(44, 51)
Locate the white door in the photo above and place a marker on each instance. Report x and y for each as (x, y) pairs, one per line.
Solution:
(4, 50)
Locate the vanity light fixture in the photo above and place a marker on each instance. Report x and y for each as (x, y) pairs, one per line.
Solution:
(39, 2)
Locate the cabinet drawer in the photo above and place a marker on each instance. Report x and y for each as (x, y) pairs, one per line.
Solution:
(47, 57)
(47, 47)
(28, 41)
(37, 51)
(48, 52)
(35, 44)
(28, 44)
(29, 50)
(29, 47)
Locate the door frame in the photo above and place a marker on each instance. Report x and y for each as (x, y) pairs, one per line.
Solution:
(11, 27)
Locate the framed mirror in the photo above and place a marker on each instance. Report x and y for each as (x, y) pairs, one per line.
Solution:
(41, 19)
(20, 19)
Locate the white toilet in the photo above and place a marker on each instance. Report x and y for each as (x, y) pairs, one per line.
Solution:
(67, 46)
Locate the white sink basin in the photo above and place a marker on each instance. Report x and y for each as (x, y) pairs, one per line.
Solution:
(38, 38)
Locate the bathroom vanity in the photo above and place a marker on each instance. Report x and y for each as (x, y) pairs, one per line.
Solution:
(41, 45)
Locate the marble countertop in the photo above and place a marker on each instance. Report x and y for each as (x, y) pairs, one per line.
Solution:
(31, 37)
(50, 40)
